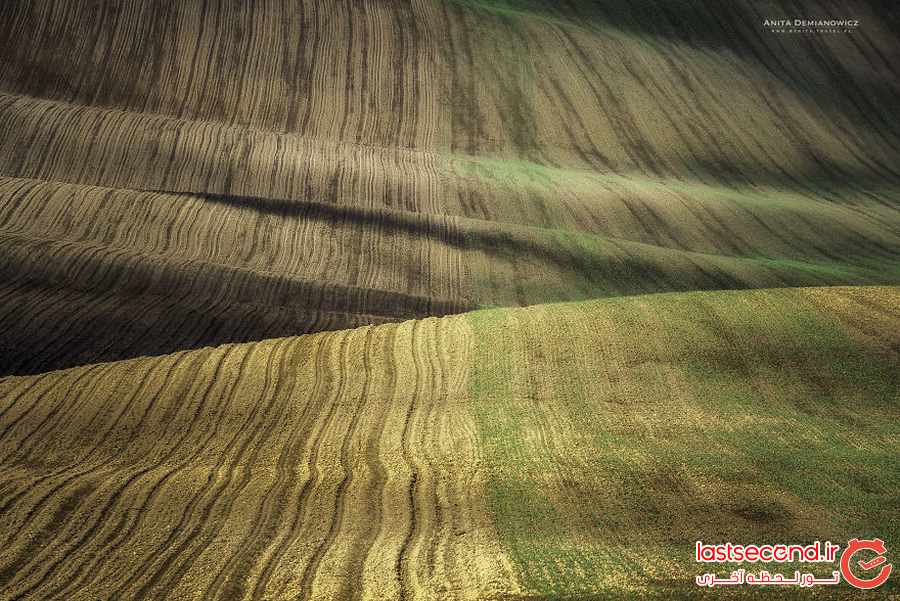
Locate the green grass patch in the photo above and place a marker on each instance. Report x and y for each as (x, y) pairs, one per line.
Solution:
(620, 431)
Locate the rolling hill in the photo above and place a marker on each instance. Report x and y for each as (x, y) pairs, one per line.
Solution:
(438, 299)
(565, 450)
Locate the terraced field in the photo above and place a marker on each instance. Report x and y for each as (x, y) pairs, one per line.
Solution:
(440, 299)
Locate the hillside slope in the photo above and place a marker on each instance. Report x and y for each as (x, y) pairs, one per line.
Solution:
(562, 450)
(441, 299)
(174, 175)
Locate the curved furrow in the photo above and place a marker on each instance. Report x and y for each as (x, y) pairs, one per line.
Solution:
(122, 528)
(314, 480)
(299, 444)
(404, 573)
(82, 535)
(201, 535)
(87, 464)
(337, 513)
(161, 561)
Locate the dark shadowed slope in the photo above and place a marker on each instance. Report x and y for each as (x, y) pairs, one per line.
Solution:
(182, 174)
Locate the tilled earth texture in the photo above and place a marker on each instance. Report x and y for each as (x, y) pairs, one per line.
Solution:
(443, 299)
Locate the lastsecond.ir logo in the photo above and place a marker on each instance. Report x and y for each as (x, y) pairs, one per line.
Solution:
(853, 547)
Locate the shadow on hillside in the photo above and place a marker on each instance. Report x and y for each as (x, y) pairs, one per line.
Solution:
(823, 79)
